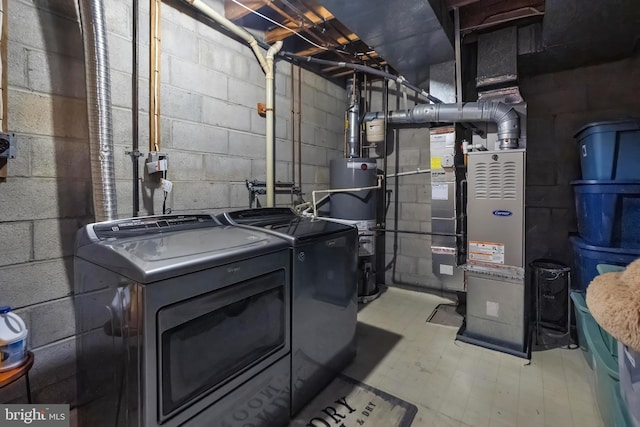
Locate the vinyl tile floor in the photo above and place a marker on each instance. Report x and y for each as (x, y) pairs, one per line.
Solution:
(458, 384)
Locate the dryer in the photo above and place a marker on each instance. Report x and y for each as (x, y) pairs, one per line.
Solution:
(324, 258)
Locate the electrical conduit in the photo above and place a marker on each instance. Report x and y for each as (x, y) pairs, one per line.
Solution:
(98, 86)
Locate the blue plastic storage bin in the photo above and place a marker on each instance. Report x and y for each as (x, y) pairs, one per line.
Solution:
(608, 212)
(609, 150)
(587, 257)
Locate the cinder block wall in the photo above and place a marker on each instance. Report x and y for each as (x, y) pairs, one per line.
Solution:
(412, 257)
(210, 130)
(559, 104)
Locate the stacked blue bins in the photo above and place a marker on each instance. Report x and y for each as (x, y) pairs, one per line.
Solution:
(608, 211)
(607, 198)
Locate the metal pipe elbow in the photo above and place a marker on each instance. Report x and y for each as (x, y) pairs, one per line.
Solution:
(508, 123)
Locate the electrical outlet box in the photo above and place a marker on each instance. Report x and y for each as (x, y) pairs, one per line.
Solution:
(157, 162)
(8, 145)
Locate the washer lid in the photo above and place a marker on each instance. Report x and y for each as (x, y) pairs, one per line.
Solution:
(155, 256)
(286, 223)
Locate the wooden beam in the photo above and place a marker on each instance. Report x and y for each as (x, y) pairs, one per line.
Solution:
(311, 51)
(233, 11)
(332, 68)
(281, 34)
(342, 73)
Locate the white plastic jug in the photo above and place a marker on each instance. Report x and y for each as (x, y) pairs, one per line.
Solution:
(13, 339)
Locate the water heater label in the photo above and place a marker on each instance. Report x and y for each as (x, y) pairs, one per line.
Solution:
(358, 165)
(439, 191)
(486, 252)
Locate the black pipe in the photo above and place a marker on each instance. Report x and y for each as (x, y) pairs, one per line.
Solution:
(364, 69)
(381, 239)
(425, 233)
(463, 216)
(134, 113)
(396, 208)
(385, 160)
(396, 190)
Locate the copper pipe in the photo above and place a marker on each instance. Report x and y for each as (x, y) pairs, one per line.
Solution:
(300, 128)
(154, 76)
(5, 81)
(293, 130)
(5, 66)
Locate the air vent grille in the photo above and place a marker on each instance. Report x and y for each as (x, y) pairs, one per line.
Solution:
(480, 180)
(495, 181)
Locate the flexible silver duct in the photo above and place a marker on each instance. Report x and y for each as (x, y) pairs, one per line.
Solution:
(503, 115)
(98, 85)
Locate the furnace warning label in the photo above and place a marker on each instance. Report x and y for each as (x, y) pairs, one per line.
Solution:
(486, 252)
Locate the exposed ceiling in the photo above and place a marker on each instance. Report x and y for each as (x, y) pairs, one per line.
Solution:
(410, 35)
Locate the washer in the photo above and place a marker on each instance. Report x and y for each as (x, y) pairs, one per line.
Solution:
(182, 322)
(324, 258)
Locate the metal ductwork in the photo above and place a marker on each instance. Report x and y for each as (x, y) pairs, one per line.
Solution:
(353, 119)
(503, 115)
(98, 86)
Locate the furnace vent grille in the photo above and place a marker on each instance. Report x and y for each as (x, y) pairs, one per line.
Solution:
(496, 181)
(480, 176)
(509, 181)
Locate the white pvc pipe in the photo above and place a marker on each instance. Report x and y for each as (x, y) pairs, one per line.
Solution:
(270, 137)
(267, 66)
(243, 34)
(340, 190)
(415, 172)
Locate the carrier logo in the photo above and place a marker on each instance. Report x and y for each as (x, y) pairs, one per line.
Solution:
(501, 212)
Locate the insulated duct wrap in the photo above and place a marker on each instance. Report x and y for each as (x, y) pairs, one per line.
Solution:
(503, 115)
(98, 86)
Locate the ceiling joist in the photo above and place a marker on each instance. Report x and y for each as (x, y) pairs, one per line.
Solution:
(233, 11)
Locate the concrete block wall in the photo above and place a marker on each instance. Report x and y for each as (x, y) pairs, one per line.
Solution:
(559, 104)
(210, 85)
(412, 258)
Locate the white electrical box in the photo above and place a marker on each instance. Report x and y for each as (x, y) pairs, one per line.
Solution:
(157, 162)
